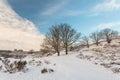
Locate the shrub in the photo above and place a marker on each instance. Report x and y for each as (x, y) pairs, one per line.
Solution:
(44, 70)
(46, 52)
(5, 55)
(51, 70)
(16, 66)
(31, 51)
(20, 65)
(19, 56)
(116, 70)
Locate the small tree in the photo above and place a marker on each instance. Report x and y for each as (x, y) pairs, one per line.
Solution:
(85, 41)
(68, 36)
(96, 37)
(109, 34)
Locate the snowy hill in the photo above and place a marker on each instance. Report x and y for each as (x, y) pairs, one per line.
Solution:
(106, 55)
(63, 68)
(95, 63)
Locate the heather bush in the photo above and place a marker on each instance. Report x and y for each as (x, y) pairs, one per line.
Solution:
(13, 67)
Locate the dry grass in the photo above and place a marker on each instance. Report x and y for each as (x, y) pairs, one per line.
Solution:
(107, 56)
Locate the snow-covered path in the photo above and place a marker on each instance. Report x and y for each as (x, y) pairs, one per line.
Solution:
(66, 68)
(72, 68)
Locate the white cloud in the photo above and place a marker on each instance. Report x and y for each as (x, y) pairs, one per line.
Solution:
(113, 25)
(16, 32)
(53, 9)
(107, 5)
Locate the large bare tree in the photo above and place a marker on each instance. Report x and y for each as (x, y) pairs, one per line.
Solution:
(61, 35)
(52, 39)
(96, 37)
(109, 34)
(68, 36)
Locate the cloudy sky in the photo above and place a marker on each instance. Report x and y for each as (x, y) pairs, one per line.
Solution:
(83, 15)
(26, 21)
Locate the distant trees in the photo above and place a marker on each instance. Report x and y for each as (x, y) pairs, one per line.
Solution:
(61, 35)
(96, 37)
(85, 40)
(106, 34)
(109, 34)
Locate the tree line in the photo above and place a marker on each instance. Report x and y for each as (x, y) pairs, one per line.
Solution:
(63, 37)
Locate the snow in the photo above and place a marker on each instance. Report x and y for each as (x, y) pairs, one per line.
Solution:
(66, 67)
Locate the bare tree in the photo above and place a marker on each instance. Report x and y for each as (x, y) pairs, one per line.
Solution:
(68, 36)
(46, 46)
(109, 34)
(52, 39)
(96, 37)
(85, 41)
(59, 35)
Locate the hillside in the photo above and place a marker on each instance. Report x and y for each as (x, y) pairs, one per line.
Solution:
(95, 63)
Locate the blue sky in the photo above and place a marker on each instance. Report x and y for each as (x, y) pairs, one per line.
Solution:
(23, 23)
(85, 16)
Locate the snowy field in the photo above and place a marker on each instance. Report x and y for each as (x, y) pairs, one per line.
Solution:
(63, 67)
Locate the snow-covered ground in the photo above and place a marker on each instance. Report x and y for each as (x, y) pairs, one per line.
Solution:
(106, 56)
(65, 67)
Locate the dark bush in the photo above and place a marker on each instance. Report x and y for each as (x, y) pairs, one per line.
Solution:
(20, 65)
(44, 70)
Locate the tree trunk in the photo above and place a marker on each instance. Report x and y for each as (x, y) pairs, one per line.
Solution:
(58, 52)
(97, 43)
(109, 41)
(66, 49)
